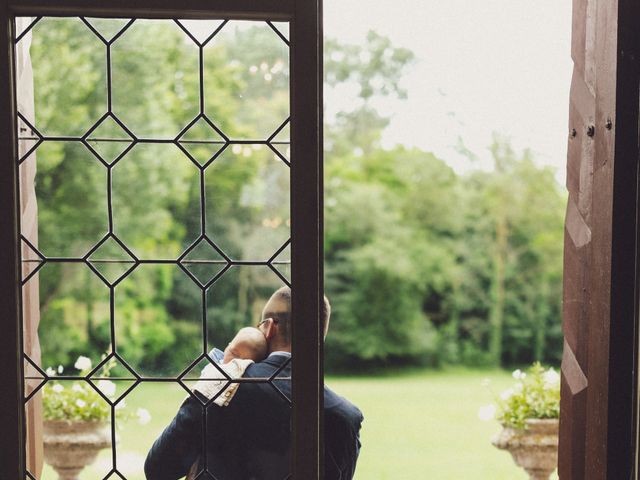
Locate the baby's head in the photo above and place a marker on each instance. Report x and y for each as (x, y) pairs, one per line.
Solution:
(249, 343)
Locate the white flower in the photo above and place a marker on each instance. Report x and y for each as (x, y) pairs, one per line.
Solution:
(518, 374)
(81, 403)
(143, 415)
(83, 363)
(487, 412)
(60, 369)
(506, 395)
(121, 404)
(77, 388)
(551, 379)
(57, 388)
(485, 382)
(107, 387)
(50, 372)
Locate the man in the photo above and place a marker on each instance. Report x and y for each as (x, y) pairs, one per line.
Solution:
(250, 438)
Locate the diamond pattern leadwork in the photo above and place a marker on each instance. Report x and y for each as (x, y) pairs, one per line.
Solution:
(113, 379)
(276, 377)
(205, 475)
(21, 32)
(202, 141)
(280, 142)
(204, 262)
(28, 133)
(201, 31)
(35, 378)
(115, 475)
(108, 30)
(280, 263)
(194, 373)
(32, 260)
(111, 260)
(281, 29)
(109, 139)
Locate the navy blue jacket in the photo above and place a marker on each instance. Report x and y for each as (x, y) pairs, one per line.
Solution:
(250, 439)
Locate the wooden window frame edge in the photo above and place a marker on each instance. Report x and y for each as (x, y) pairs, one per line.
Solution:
(306, 206)
(11, 404)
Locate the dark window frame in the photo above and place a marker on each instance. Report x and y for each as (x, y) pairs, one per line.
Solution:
(306, 206)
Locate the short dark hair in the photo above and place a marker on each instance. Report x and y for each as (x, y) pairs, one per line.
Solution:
(284, 318)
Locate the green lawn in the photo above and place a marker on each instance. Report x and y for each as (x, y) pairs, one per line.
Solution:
(418, 425)
(425, 425)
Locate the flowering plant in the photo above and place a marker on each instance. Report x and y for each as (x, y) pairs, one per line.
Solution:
(80, 401)
(536, 395)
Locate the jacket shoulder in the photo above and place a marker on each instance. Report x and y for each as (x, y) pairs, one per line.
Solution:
(268, 367)
(338, 406)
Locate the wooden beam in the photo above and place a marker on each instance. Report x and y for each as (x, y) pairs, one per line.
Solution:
(11, 408)
(598, 406)
(306, 241)
(240, 9)
(622, 49)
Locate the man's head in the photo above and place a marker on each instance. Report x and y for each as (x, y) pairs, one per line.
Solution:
(249, 343)
(276, 319)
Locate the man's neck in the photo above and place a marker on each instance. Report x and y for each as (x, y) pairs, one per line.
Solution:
(280, 353)
(280, 348)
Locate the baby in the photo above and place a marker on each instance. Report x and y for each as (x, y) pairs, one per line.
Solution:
(248, 346)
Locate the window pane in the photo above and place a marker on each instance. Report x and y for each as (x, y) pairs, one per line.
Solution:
(155, 175)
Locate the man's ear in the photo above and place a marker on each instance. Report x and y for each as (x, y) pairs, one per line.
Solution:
(270, 329)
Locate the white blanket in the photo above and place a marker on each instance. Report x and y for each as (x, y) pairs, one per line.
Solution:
(212, 381)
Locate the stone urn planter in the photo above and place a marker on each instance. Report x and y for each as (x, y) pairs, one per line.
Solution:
(71, 445)
(535, 449)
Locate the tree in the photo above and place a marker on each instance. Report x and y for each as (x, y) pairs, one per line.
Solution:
(423, 266)
(516, 214)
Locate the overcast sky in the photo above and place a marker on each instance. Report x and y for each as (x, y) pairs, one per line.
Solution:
(488, 66)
